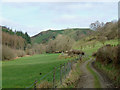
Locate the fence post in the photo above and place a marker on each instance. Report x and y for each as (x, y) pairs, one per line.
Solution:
(67, 68)
(71, 64)
(64, 70)
(54, 77)
(35, 84)
(61, 74)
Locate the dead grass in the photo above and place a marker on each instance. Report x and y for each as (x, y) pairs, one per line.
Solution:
(45, 84)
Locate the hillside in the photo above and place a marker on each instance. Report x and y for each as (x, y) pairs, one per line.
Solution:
(75, 33)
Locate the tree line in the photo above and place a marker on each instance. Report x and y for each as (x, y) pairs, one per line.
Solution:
(17, 33)
(14, 43)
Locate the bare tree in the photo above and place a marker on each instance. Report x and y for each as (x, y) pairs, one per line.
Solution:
(96, 25)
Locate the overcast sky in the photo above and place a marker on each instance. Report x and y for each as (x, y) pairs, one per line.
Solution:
(35, 17)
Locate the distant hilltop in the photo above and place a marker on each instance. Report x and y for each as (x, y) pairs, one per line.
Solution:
(75, 33)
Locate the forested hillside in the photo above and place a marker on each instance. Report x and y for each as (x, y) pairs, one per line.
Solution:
(104, 31)
(17, 33)
(14, 43)
(75, 33)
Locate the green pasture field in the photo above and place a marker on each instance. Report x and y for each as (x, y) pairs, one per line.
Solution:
(22, 72)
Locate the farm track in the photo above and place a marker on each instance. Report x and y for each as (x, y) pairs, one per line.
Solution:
(87, 78)
(104, 80)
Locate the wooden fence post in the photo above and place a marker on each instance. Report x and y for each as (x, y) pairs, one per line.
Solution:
(71, 64)
(64, 70)
(54, 77)
(61, 74)
(35, 83)
(67, 68)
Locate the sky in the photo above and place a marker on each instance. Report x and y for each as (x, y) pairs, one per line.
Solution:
(34, 17)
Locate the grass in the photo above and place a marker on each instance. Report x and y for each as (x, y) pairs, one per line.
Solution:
(88, 48)
(72, 80)
(24, 71)
(96, 78)
(111, 72)
(52, 34)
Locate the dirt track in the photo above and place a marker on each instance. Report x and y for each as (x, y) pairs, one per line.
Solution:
(87, 79)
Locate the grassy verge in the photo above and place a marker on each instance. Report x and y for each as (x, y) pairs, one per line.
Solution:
(111, 71)
(96, 78)
(72, 80)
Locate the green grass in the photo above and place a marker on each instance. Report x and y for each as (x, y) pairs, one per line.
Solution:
(88, 46)
(46, 36)
(72, 80)
(96, 78)
(111, 72)
(22, 72)
(89, 50)
(52, 34)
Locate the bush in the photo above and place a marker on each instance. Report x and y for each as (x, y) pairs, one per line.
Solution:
(109, 54)
(29, 51)
(20, 53)
(104, 54)
(116, 54)
(7, 53)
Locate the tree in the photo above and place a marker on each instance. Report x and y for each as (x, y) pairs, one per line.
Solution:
(27, 37)
(96, 25)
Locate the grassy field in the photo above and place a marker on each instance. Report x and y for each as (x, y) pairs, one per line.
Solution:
(22, 72)
(89, 49)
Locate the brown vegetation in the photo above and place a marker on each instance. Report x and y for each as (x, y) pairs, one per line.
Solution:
(60, 44)
(105, 31)
(109, 54)
(75, 52)
(13, 41)
(45, 84)
(20, 53)
(7, 53)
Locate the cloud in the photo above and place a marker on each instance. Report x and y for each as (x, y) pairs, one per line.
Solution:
(34, 17)
(19, 27)
(80, 21)
(60, 0)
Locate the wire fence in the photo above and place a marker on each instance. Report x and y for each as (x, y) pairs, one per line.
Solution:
(55, 78)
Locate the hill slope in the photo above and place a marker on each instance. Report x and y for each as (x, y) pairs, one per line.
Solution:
(75, 33)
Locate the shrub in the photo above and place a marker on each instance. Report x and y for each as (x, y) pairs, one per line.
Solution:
(109, 54)
(103, 54)
(29, 51)
(7, 53)
(20, 53)
(116, 54)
